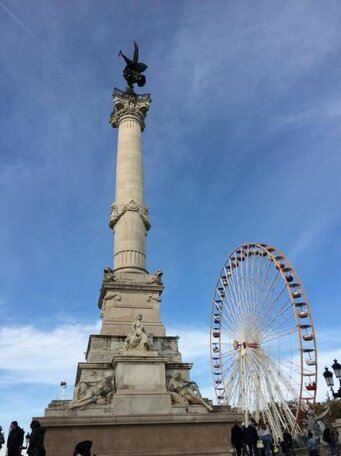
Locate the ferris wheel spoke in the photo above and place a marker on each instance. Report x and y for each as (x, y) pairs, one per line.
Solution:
(235, 298)
(243, 302)
(234, 393)
(231, 321)
(286, 320)
(271, 374)
(223, 305)
(262, 288)
(274, 406)
(231, 381)
(261, 373)
(252, 315)
(265, 401)
(277, 374)
(278, 334)
(228, 324)
(269, 305)
(257, 287)
(274, 301)
(229, 298)
(248, 294)
(270, 289)
(224, 363)
(282, 311)
(228, 353)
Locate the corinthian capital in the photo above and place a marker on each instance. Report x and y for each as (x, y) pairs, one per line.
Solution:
(129, 104)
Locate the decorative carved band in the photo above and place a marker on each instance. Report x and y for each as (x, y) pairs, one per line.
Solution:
(118, 210)
(109, 276)
(129, 259)
(128, 104)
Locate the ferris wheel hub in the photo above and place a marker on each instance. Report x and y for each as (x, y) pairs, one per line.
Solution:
(245, 345)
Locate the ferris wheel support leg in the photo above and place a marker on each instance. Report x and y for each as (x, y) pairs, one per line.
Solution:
(246, 418)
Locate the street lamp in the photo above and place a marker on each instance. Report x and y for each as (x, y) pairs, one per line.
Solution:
(329, 378)
(63, 386)
(337, 369)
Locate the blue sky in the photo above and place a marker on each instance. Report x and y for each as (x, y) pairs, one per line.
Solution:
(242, 143)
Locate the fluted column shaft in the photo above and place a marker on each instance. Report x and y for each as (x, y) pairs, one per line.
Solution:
(129, 168)
(129, 217)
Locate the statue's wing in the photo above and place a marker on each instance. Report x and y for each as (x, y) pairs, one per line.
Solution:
(136, 53)
(141, 67)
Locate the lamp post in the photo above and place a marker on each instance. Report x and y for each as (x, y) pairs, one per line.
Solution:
(329, 378)
(63, 386)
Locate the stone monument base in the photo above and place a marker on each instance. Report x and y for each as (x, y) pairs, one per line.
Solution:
(191, 434)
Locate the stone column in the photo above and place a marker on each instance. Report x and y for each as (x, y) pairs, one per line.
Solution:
(129, 217)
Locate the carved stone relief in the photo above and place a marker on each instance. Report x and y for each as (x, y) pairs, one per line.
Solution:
(93, 393)
(117, 210)
(110, 296)
(109, 276)
(153, 298)
(156, 278)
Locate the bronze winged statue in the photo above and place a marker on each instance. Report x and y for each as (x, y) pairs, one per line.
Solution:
(132, 73)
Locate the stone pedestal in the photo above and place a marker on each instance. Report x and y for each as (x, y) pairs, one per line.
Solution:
(140, 386)
(126, 294)
(191, 434)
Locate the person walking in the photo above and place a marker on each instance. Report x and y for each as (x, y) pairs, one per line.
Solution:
(15, 440)
(36, 445)
(330, 439)
(265, 435)
(250, 437)
(2, 438)
(312, 445)
(287, 438)
(237, 438)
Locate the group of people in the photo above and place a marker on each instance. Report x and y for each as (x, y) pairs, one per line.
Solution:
(256, 440)
(329, 436)
(15, 439)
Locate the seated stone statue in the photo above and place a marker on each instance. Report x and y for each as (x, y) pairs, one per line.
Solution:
(187, 390)
(100, 393)
(138, 339)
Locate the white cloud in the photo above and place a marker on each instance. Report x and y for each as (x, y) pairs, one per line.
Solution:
(193, 342)
(31, 355)
(324, 112)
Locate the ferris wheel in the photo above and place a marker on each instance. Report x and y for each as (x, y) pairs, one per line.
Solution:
(263, 344)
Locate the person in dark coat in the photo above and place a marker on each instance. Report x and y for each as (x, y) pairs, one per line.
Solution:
(36, 446)
(250, 437)
(2, 438)
(287, 439)
(83, 448)
(329, 437)
(237, 438)
(15, 440)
